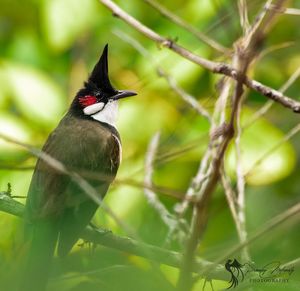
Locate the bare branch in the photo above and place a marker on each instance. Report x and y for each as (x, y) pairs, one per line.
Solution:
(259, 18)
(215, 67)
(204, 194)
(245, 51)
(243, 11)
(124, 244)
(231, 199)
(289, 11)
(203, 169)
(274, 95)
(186, 97)
(240, 187)
(264, 109)
(180, 22)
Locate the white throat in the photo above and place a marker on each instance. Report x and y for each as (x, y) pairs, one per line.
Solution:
(107, 113)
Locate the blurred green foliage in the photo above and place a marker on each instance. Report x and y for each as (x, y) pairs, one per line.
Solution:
(47, 49)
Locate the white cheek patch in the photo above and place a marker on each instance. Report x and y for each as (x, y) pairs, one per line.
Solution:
(94, 108)
(108, 114)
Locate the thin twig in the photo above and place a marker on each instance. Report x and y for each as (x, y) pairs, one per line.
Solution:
(289, 11)
(231, 199)
(290, 81)
(259, 113)
(264, 109)
(289, 214)
(165, 215)
(199, 218)
(263, 230)
(273, 48)
(201, 175)
(259, 18)
(180, 22)
(196, 182)
(215, 67)
(186, 97)
(293, 263)
(243, 11)
(286, 137)
(240, 186)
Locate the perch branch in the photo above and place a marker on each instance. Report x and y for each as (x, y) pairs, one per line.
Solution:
(124, 244)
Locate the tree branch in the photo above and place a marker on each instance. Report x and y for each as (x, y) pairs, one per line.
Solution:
(124, 244)
(215, 67)
(245, 51)
(185, 96)
(180, 22)
(151, 197)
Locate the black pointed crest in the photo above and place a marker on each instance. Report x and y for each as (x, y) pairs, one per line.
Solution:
(99, 76)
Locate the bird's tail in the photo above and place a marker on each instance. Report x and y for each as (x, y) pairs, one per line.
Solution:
(42, 240)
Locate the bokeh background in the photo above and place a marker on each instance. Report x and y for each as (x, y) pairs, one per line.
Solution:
(48, 48)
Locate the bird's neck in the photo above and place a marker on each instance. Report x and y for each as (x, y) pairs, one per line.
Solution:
(108, 114)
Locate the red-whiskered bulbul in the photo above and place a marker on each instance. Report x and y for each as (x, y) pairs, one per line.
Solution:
(86, 139)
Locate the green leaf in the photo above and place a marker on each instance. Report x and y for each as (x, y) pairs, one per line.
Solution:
(35, 95)
(256, 142)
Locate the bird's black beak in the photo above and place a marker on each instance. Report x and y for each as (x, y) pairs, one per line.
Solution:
(123, 94)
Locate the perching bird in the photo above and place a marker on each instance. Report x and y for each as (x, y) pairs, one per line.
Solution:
(86, 140)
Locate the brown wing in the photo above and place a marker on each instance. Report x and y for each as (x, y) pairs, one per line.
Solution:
(83, 146)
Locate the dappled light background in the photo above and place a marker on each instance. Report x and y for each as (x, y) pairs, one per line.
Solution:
(48, 48)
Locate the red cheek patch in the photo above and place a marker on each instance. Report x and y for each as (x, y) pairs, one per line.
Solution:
(87, 100)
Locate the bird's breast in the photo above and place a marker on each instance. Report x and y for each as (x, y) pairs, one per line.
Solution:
(119, 146)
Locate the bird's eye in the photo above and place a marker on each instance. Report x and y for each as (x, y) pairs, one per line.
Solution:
(87, 100)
